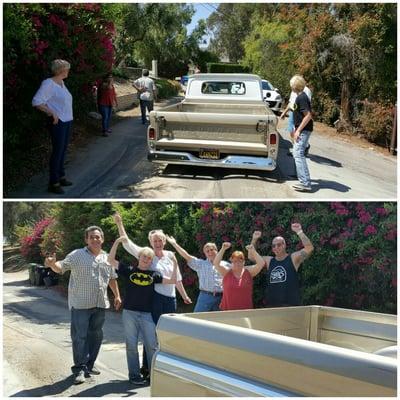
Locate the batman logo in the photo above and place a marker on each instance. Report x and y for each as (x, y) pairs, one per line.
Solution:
(141, 279)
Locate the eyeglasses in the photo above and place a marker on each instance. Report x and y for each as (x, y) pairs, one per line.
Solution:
(277, 245)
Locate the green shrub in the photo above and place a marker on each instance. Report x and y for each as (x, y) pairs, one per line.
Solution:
(226, 68)
(353, 265)
(167, 88)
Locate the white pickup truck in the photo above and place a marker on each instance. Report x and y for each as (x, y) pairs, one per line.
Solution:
(222, 122)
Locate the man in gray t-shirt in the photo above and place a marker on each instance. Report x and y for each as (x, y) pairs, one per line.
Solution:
(147, 93)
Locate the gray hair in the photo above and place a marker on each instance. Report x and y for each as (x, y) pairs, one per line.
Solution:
(58, 65)
(297, 83)
(157, 232)
(93, 228)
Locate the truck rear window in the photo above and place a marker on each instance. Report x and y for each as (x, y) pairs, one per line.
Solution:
(236, 88)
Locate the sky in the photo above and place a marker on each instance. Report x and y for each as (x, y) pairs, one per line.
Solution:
(203, 10)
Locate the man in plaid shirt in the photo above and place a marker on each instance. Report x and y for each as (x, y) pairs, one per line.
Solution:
(87, 299)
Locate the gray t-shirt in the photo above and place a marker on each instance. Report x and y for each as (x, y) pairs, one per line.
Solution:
(148, 88)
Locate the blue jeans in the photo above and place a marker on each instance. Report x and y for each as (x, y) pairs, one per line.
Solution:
(86, 335)
(290, 127)
(136, 322)
(207, 302)
(143, 105)
(300, 160)
(60, 134)
(105, 112)
(161, 305)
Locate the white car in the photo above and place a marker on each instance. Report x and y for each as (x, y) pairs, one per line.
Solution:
(272, 97)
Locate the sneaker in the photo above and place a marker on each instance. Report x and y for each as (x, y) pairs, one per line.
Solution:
(79, 378)
(138, 381)
(109, 130)
(94, 371)
(65, 182)
(105, 134)
(302, 188)
(55, 188)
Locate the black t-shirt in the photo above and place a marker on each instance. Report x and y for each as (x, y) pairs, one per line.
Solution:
(301, 106)
(282, 283)
(139, 287)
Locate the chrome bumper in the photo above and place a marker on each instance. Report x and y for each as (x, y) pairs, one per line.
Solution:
(242, 162)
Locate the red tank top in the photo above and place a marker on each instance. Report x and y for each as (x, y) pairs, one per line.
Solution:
(107, 96)
(238, 293)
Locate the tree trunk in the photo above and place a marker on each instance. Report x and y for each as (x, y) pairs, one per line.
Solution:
(345, 102)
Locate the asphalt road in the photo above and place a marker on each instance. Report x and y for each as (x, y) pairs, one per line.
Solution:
(116, 167)
(37, 353)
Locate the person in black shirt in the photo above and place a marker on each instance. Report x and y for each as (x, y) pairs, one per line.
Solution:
(282, 287)
(138, 301)
(303, 127)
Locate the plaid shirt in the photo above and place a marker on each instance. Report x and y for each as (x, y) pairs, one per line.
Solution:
(89, 279)
(209, 278)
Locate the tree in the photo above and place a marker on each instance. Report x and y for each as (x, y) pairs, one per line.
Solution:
(230, 25)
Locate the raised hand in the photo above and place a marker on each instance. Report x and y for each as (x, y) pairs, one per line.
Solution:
(171, 240)
(296, 227)
(50, 260)
(256, 235)
(226, 245)
(117, 218)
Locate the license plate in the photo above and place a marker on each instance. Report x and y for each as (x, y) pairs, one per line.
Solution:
(212, 154)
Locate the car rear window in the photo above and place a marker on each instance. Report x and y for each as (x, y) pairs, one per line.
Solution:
(267, 86)
(235, 88)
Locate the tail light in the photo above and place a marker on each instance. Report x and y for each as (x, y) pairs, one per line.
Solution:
(272, 138)
(152, 134)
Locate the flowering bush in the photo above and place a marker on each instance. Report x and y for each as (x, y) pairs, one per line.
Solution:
(353, 264)
(34, 35)
(31, 244)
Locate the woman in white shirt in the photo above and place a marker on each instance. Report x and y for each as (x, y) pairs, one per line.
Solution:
(54, 99)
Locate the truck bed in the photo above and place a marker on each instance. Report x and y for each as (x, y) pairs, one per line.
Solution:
(293, 351)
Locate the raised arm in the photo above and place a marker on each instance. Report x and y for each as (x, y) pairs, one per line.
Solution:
(218, 258)
(253, 255)
(51, 262)
(171, 240)
(129, 246)
(254, 240)
(174, 276)
(111, 255)
(299, 256)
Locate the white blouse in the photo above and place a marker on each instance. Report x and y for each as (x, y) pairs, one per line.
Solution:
(56, 97)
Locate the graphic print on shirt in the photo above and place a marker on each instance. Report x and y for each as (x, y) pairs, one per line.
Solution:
(141, 279)
(278, 275)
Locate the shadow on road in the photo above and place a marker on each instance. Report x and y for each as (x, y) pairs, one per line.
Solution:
(215, 174)
(324, 161)
(47, 390)
(117, 388)
(319, 184)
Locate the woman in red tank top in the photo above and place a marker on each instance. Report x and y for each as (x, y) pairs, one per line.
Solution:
(106, 100)
(237, 281)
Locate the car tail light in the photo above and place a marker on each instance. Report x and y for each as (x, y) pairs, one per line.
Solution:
(272, 138)
(152, 134)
